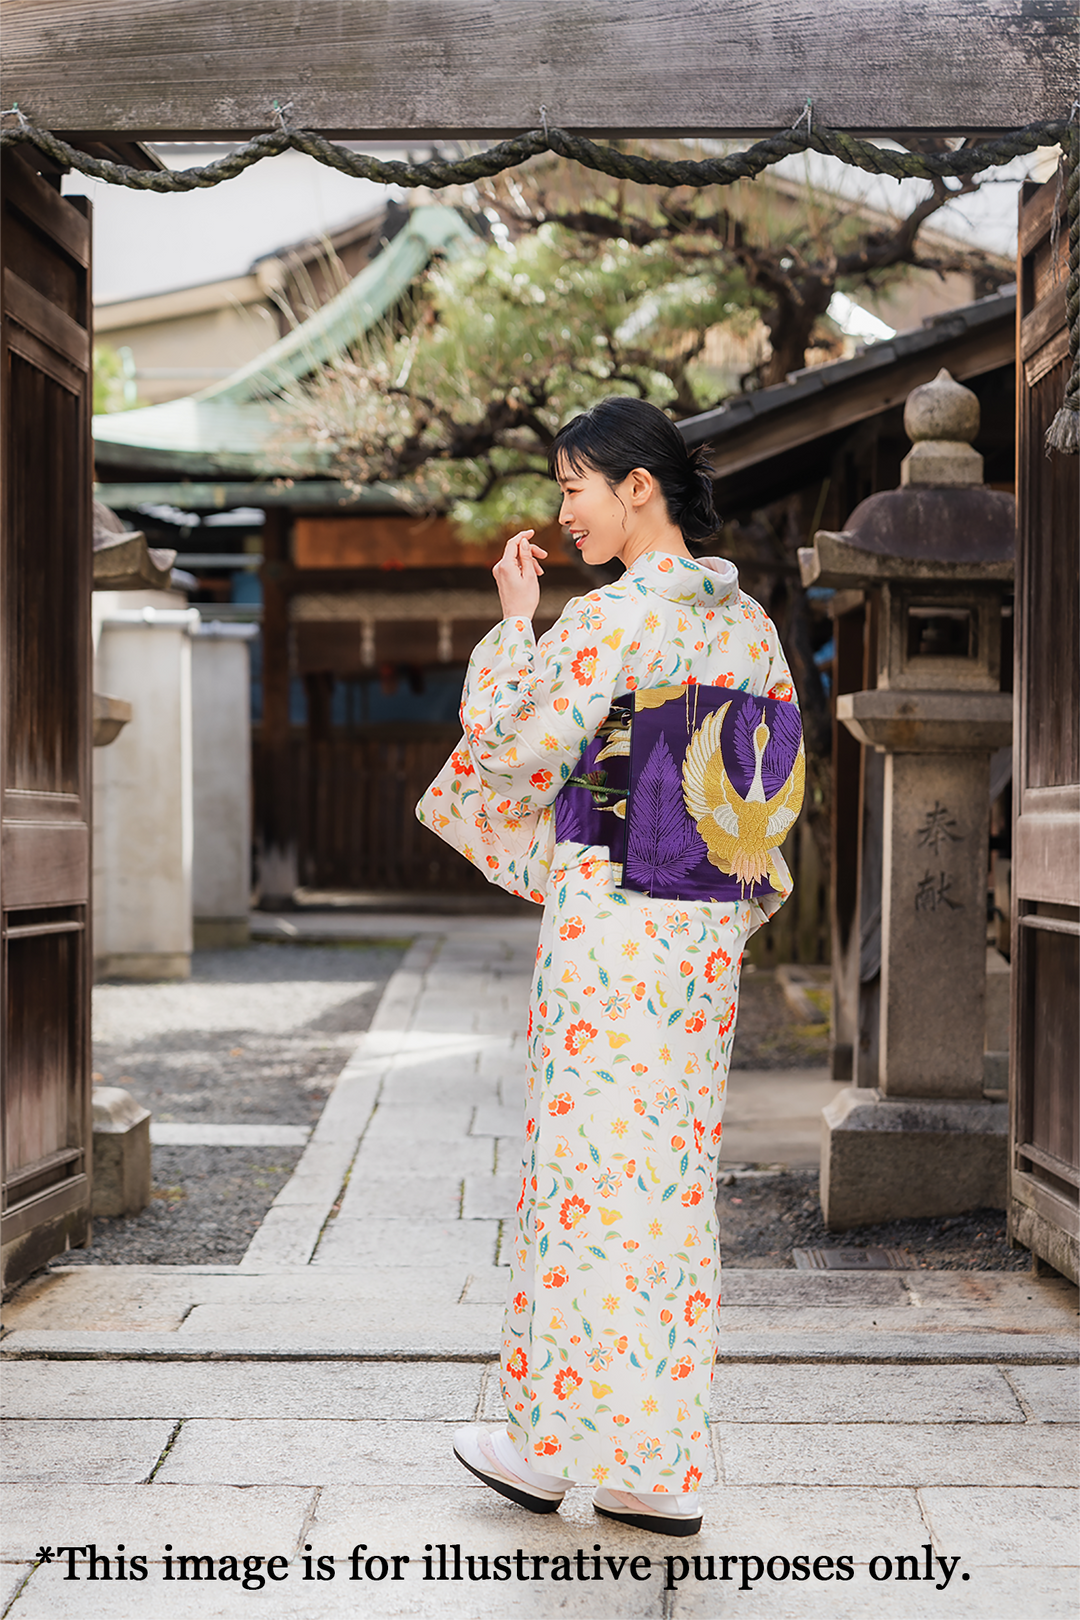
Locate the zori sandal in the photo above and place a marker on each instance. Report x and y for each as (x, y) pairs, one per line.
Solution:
(666, 1515)
(492, 1457)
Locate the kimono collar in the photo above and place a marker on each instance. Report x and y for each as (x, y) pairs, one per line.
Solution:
(704, 581)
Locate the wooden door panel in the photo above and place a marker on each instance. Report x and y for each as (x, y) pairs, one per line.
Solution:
(1045, 851)
(45, 582)
(43, 650)
(1054, 964)
(1044, 1184)
(48, 863)
(40, 315)
(40, 1070)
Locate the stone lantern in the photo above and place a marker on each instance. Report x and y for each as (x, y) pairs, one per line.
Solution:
(938, 555)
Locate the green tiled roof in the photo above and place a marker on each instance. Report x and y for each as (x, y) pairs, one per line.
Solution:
(225, 430)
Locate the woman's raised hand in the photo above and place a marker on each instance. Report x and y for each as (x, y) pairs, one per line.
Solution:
(517, 574)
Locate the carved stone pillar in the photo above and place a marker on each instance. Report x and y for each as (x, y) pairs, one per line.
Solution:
(937, 552)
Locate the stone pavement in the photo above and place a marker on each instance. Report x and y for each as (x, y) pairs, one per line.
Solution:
(888, 1445)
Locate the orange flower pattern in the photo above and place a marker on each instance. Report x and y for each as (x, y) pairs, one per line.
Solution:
(579, 1035)
(623, 1132)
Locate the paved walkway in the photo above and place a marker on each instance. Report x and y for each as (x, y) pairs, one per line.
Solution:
(915, 1429)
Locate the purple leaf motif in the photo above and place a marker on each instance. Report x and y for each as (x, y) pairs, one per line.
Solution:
(739, 736)
(785, 725)
(568, 826)
(662, 843)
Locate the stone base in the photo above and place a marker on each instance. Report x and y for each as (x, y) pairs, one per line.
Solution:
(891, 1158)
(147, 967)
(121, 1153)
(220, 933)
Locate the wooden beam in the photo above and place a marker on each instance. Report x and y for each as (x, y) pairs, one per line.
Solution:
(174, 69)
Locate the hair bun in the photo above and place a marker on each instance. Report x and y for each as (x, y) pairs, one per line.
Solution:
(698, 517)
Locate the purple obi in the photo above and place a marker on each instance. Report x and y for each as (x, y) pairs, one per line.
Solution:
(692, 789)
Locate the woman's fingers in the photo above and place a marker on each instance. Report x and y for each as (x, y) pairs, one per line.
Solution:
(518, 546)
(520, 553)
(528, 553)
(516, 575)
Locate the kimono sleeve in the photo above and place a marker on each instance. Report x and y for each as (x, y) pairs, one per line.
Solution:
(528, 709)
(771, 672)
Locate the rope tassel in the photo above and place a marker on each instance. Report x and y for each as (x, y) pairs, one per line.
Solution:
(1063, 434)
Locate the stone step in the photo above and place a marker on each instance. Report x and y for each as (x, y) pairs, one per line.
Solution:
(459, 1339)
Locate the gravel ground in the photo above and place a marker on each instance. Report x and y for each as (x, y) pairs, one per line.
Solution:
(767, 1035)
(256, 1036)
(207, 1205)
(761, 1221)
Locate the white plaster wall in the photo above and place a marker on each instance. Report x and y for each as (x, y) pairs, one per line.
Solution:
(143, 794)
(221, 754)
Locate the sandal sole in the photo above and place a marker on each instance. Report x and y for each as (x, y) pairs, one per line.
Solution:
(655, 1522)
(519, 1495)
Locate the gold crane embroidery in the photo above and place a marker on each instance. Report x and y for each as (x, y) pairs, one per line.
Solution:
(739, 833)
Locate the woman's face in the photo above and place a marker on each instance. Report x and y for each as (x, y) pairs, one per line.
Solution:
(599, 518)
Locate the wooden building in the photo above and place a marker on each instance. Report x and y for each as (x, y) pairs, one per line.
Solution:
(53, 547)
(45, 580)
(184, 339)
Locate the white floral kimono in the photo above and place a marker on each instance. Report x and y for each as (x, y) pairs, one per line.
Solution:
(610, 1324)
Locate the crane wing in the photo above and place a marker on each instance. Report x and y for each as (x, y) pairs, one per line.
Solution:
(706, 789)
(744, 722)
(652, 697)
(783, 809)
(785, 735)
(619, 744)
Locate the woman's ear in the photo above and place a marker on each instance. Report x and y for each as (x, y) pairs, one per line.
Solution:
(642, 486)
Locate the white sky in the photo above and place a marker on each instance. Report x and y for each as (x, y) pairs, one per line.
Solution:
(987, 219)
(145, 243)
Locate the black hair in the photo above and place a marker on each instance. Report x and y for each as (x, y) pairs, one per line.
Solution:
(621, 433)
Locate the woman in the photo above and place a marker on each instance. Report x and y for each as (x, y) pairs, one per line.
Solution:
(609, 1336)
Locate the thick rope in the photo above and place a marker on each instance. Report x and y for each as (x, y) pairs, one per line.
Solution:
(1063, 434)
(804, 136)
(437, 173)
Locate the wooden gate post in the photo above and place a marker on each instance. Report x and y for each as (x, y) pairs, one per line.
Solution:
(1044, 1147)
(45, 720)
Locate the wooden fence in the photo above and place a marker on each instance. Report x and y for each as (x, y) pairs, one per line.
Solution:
(350, 811)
